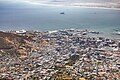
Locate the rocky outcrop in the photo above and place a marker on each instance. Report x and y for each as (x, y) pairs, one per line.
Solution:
(13, 43)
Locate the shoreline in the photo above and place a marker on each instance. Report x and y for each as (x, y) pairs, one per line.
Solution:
(91, 32)
(80, 6)
(117, 9)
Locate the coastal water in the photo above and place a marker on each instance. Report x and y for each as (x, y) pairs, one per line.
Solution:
(49, 18)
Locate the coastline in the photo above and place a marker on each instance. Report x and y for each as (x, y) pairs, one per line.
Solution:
(118, 9)
(79, 6)
(100, 8)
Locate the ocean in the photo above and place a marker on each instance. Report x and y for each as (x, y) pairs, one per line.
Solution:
(45, 18)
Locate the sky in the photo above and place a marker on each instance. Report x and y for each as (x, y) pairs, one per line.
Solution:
(26, 1)
(52, 1)
(21, 3)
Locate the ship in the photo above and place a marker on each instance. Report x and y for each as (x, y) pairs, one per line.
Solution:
(117, 33)
(62, 13)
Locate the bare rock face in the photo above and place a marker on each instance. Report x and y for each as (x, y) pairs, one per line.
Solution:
(13, 43)
(5, 43)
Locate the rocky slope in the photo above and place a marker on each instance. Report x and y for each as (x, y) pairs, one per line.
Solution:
(13, 43)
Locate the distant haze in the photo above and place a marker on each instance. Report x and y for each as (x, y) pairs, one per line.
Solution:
(68, 1)
(116, 1)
